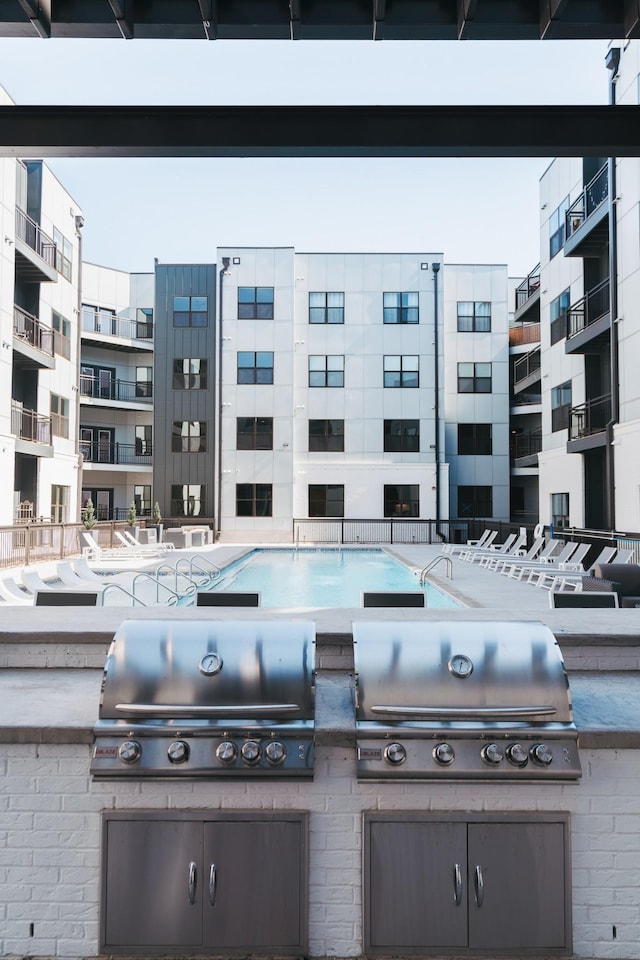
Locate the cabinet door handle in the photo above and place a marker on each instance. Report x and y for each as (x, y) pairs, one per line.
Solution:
(212, 884)
(457, 885)
(193, 882)
(479, 885)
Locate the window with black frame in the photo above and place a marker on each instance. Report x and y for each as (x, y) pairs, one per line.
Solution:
(255, 303)
(188, 500)
(401, 307)
(326, 436)
(190, 311)
(475, 439)
(474, 378)
(326, 371)
(475, 502)
(402, 436)
(255, 367)
(254, 433)
(326, 307)
(560, 510)
(326, 500)
(189, 436)
(558, 315)
(561, 406)
(189, 373)
(474, 316)
(401, 371)
(254, 499)
(402, 500)
(558, 228)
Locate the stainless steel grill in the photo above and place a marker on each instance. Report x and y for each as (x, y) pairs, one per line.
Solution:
(206, 698)
(462, 700)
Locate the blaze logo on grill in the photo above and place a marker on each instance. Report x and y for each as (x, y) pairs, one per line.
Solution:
(369, 753)
(108, 753)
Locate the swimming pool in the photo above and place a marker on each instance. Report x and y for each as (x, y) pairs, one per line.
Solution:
(322, 577)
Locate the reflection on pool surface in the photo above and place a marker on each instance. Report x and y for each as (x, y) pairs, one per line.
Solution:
(322, 577)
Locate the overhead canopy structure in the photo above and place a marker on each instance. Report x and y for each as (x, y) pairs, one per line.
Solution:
(323, 19)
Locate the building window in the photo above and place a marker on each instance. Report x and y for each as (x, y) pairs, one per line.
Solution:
(400, 307)
(144, 446)
(474, 378)
(189, 436)
(402, 500)
(560, 510)
(559, 313)
(326, 436)
(144, 382)
(64, 254)
(560, 406)
(474, 439)
(188, 500)
(326, 500)
(558, 228)
(401, 371)
(99, 320)
(190, 311)
(254, 433)
(59, 503)
(142, 499)
(402, 436)
(144, 323)
(255, 367)
(61, 335)
(326, 308)
(97, 444)
(59, 407)
(475, 502)
(254, 500)
(255, 303)
(326, 371)
(189, 373)
(474, 316)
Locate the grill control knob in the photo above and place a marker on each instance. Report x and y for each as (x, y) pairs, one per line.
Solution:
(517, 755)
(178, 751)
(129, 751)
(493, 753)
(275, 751)
(226, 751)
(444, 753)
(542, 754)
(395, 753)
(251, 751)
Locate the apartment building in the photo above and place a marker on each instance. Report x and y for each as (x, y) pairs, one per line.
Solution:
(40, 226)
(116, 391)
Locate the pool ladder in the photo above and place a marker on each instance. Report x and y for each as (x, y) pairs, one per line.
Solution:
(434, 563)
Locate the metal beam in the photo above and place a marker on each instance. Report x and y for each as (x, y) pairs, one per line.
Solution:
(39, 15)
(298, 131)
(632, 19)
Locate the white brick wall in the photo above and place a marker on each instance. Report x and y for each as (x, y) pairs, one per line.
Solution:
(50, 835)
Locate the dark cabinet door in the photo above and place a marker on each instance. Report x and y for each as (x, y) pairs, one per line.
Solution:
(416, 885)
(152, 884)
(253, 885)
(517, 885)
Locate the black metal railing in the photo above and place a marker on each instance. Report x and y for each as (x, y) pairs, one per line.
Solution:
(126, 391)
(30, 232)
(108, 324)
(529, 286)
(124, 453)
(28, 328)
(590, 417)
(526, 365)
(593, 196)
(30, 425)
(593, 306)
(525, 444)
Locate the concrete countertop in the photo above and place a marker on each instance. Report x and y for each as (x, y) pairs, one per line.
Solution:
(61, 706)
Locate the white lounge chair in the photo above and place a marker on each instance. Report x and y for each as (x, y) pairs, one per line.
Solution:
(145, 549)
(485, 541)
(497, 563)
(34, 582)
(91, 549)
(518, 571)
(573, 581)
(11, 592)
(545, 578)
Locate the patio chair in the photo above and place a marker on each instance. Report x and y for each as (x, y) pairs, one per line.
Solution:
(11, 592)
(91, 549)
(144, 549)
(518, 570)
(573, 581)
(549, 550)
(544, 578)
(497, 563)
(33, 581)
(510, 548)
(487, 538)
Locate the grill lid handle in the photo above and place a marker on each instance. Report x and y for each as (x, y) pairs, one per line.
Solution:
(464, 713)
(188, 710)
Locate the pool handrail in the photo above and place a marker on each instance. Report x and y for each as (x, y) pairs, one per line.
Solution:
(193, 563)
(433, 563)
(118, 586)
(143, 573)
(167, 567)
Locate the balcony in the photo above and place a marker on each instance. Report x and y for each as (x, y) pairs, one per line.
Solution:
(32, 429)
(587, 222)
(526, 371)
(587, 424)
(525, 447)
(127, 454)
(100, 326)
(116, 390)
(588, 319)
(35, 251)
(528, 298)
(523, 334)
(32, 341)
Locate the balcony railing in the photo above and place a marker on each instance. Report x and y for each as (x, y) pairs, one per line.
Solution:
(126, 391)
(122, 453)
(30, 232)
(29, 328)
(593, 196)
(526, 444)
(526, 365)
(529, 286)
(590, 417)
(593, 306)
(109, 325)
(29, 425)
(520, 334)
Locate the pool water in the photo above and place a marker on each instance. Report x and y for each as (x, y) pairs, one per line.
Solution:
(322, 578)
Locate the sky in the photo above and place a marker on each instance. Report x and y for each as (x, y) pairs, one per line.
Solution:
(479, 210)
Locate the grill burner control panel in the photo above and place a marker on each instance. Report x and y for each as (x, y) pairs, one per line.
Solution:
(202, 757)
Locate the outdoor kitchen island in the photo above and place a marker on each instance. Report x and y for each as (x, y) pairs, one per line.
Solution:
(586, 832)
